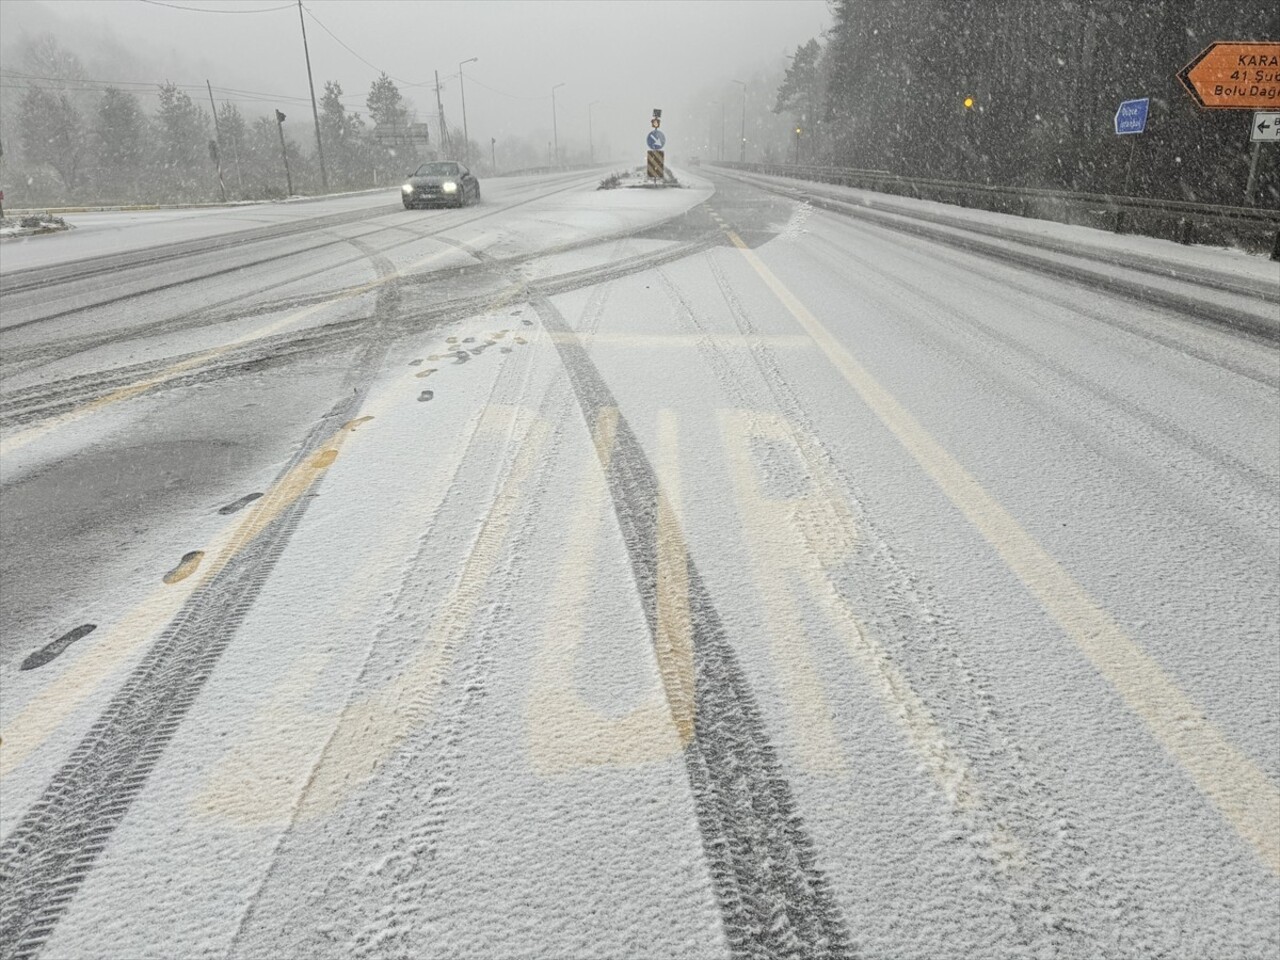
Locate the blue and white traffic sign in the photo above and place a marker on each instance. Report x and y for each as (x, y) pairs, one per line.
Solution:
(656, 140)
(1132, 116)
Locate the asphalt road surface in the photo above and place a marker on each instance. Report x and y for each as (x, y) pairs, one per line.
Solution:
(745, 570)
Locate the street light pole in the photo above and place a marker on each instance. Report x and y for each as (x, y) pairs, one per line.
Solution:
(315, 113)
(711, 130)
(466, 136)
(742, 136)
(722, 112)
(555, 129)
(591, 142)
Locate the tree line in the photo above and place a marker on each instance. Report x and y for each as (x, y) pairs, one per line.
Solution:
(67, 142)
(885, 88)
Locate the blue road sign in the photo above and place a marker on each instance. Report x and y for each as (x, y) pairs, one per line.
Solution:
(1132, 116)
(656, 140)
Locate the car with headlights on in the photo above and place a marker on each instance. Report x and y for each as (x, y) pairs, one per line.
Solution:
(441, 183)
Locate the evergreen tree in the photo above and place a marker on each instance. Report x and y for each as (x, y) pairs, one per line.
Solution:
(231, 143)
(52, 133)
(182, 145)
(120, 144)
(386, 105)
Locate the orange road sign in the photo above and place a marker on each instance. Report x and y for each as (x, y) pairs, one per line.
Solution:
(1231, 75)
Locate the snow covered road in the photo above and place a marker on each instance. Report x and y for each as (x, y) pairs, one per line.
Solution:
(684, 573)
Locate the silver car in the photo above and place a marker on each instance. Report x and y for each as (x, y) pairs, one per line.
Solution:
(441, 183)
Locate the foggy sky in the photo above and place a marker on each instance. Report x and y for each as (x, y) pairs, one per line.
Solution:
(630, 56)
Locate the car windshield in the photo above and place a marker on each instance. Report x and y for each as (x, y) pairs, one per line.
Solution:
(439, 169)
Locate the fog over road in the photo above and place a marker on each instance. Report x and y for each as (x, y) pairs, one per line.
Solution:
(731, 571)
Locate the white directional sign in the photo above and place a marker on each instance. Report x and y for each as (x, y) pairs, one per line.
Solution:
(1266, 126)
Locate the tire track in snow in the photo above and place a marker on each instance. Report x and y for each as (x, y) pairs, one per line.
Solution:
(774, 900)
(1022, 838)
(48, 855)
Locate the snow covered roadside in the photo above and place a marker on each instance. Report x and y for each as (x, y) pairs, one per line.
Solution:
(1123, 249)
(31, 225)
(1228, 287)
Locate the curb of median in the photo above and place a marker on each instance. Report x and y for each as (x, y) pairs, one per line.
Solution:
(138, 207)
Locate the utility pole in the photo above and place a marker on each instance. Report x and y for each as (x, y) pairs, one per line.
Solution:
(444, 131)
(555, 130)
(235, 155)
(493, 153)
(742, 136)
(288, 177)
(466, 136)
(711, 128)
(1253, 174)
(315, 113)
(217, 153)
(722, 112)
(591, 142)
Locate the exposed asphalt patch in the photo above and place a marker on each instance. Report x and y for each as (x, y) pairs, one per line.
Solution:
(240, 504)
(186, 566)
(426, 395)
(56, 647)
(55, 845)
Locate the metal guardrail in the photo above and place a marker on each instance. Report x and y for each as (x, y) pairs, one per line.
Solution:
(1187, 222)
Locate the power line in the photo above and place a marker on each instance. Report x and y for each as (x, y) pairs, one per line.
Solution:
(178, 6)
(513, 96)
(341, 43)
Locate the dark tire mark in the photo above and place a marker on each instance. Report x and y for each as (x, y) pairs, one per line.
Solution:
(774, 900)
(240, 504)
(47, 856)
(55, 648)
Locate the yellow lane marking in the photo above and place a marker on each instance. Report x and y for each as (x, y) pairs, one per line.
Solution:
(1232, 782)
(48, 708)
(565, 731)
(264, 775)
(674, 642)
(369, 729)
(21, 439)
(681, 340)
(782, 534)
(800, 541)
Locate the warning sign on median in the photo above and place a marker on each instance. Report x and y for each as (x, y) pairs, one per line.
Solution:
(655, 165)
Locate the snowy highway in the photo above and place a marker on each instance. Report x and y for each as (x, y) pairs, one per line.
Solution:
(756, 569)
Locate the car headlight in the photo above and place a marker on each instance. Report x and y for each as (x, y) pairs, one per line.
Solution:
(449, 187)
(407, 188)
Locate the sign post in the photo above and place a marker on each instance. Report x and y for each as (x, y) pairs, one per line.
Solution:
(1131, 119)
(656, 142)
(1265, 128)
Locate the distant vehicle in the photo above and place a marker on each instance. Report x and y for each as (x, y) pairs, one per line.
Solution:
(441, 183)
(695, 161)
